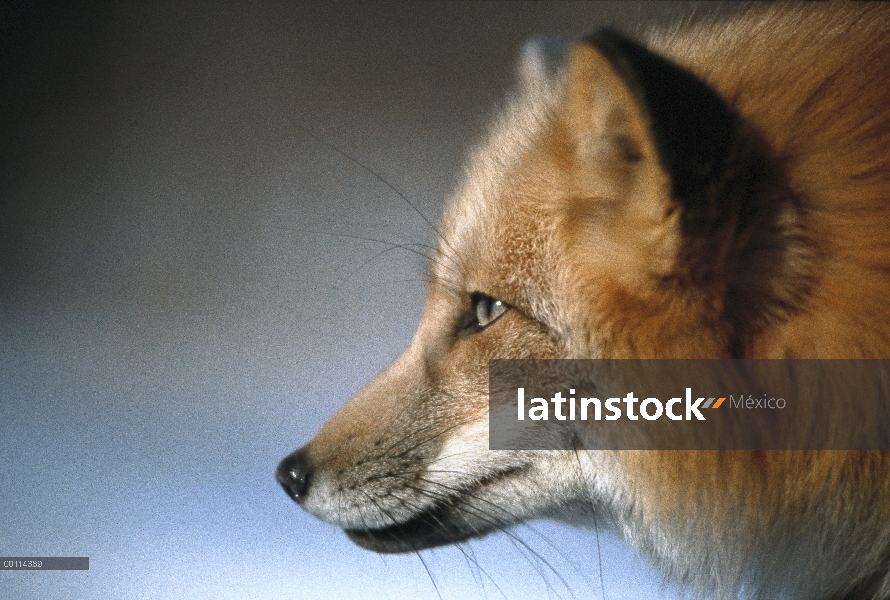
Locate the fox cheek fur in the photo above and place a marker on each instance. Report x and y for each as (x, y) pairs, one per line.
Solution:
(720, 192)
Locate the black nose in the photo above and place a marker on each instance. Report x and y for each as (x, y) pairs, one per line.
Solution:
(294, 474)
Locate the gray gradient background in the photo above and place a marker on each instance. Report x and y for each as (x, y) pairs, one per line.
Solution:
(173, 318)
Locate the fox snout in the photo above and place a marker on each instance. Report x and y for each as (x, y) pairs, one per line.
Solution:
(405, 464)
(294, 474)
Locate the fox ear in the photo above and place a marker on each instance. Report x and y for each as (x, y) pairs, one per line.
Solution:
(541, 59)
(626, 103)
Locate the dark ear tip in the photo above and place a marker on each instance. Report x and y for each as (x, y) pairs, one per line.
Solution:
(606, 35)
(612, 43)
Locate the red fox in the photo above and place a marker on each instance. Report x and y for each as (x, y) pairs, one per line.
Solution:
(718, 190)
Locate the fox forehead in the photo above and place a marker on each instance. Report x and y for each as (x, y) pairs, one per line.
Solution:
(499, 227)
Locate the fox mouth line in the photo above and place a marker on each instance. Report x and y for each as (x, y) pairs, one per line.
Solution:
(426, 530)
(449, 521)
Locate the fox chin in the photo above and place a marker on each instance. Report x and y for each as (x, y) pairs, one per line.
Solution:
(718, 190)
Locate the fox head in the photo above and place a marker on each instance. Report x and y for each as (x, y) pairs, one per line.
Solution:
(617, 208)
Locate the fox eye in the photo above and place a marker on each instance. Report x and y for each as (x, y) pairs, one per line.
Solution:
(485, 311)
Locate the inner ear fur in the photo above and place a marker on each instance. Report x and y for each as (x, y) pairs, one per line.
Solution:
(626, 103)
(611, 148)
